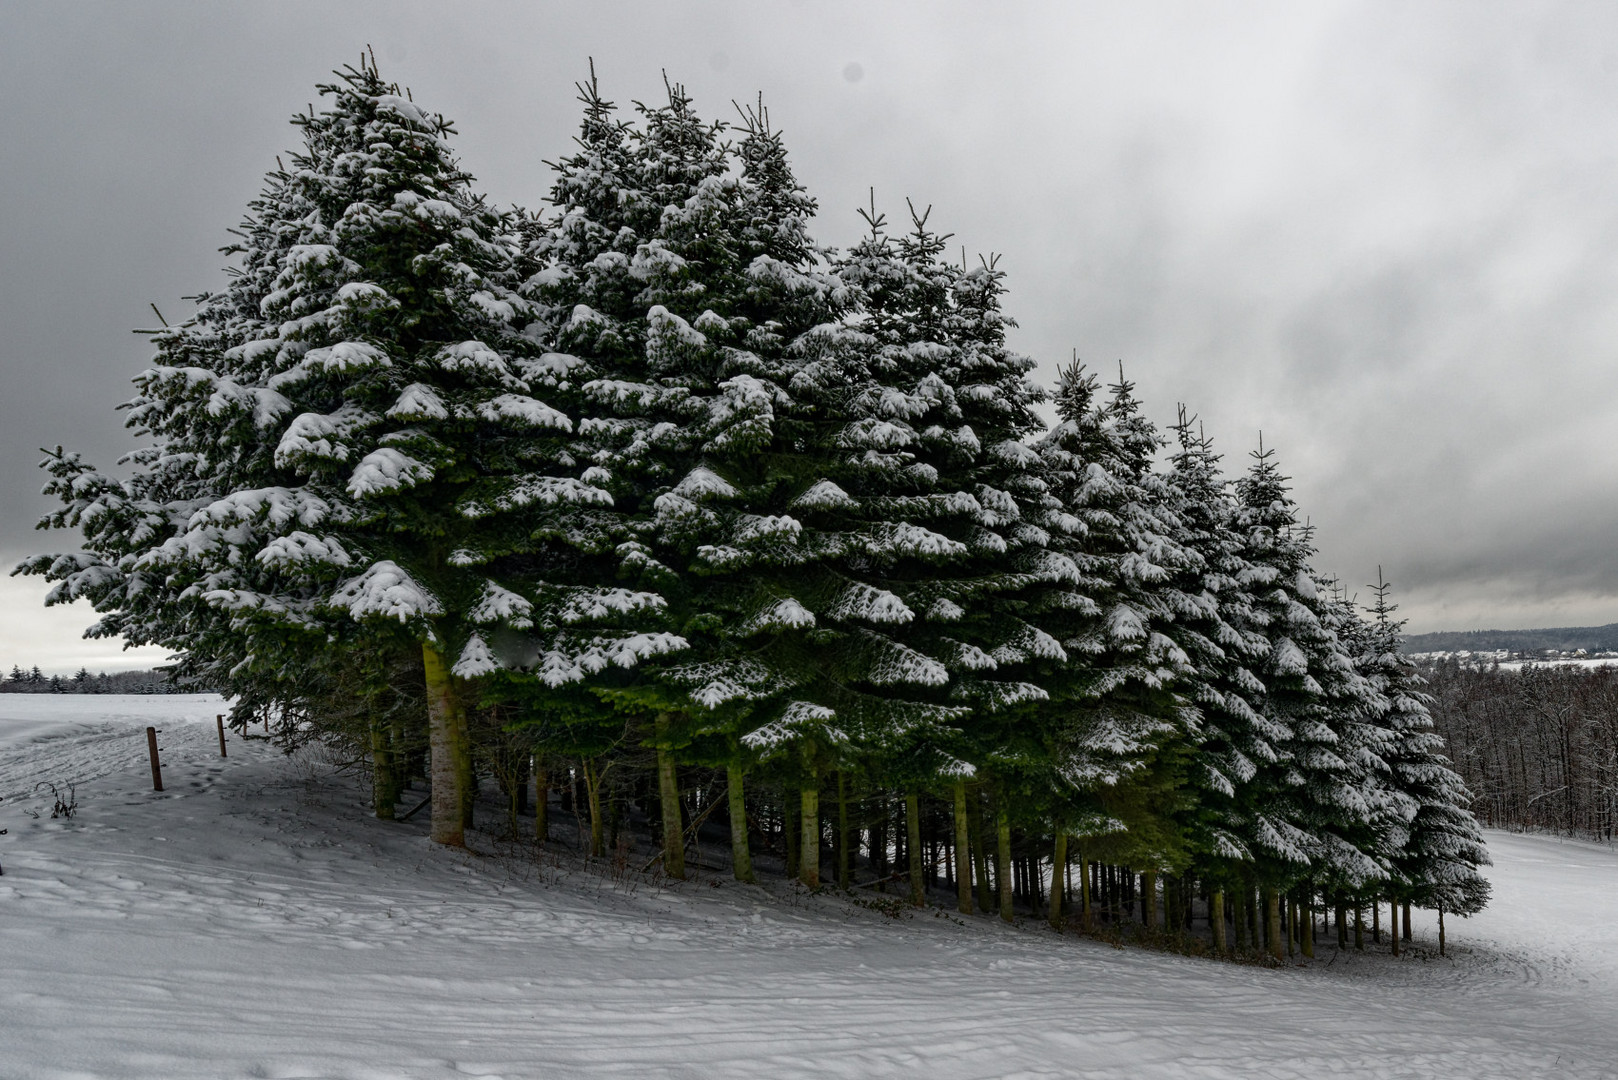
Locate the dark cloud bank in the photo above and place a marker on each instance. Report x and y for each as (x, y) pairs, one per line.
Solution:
(1382, 235)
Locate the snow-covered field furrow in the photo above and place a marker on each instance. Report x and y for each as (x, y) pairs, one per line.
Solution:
(250, 922)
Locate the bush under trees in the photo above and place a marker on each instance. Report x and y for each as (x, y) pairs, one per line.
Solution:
(650, 502)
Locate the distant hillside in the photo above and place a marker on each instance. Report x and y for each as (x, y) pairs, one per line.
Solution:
(1562, 638)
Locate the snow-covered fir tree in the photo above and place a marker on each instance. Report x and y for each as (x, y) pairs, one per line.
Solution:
(1119, 723)
(927, 508)
(387, 462)
(1435, 844)
(1317, 808)
(1225, 641)
(684, 304)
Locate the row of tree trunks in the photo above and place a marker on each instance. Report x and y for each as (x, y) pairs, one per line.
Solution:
(1269, 920)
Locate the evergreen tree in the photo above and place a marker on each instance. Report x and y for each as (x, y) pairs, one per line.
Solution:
(932, 499)
(1318, 808)
(1224, 638)
(680, 301)
(1118, 715)
(1437, 847)
(418, 496)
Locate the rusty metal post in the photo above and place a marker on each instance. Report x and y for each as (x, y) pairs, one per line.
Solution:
(221, 719)
(157, 771)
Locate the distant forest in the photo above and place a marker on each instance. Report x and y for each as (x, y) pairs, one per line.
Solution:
(34, 681)
(1538, 748)
(1562, 639)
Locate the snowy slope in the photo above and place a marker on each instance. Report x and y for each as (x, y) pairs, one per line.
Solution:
(249, 922)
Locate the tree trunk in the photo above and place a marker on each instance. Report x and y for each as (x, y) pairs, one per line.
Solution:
(1058, 865)
(980, 852)
(963, 852)
(1359, 925)
(1148, 899)
(1216, 919)
(792, 827)
(1393, 925)
(1405, 932)
(384, 792)
(918, 888)
(1272, 922)
(809, 844)
(741, 854)
(1086, 901)
(1002, 869)
(845, 859)
(1376, 921)
(1306, 930)
(592, 792)
(542, 800)
(446, 730)
(668, 790)
(463, 765)
(1441, 930)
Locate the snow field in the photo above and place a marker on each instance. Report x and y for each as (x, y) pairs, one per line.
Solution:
(250, 921)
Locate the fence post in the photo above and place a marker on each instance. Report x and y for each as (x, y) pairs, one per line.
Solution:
(221, 719)
(157, 771)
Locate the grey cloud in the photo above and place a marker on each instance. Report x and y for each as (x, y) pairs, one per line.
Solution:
(1384, 235)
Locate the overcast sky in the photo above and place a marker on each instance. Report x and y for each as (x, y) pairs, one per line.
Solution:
(1384, 235)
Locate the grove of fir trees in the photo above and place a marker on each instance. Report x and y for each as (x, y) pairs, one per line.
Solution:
(646, 504)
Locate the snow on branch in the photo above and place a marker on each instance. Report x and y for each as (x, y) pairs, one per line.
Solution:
(418, 401)
(825, 495)
(523, 411)
(342, 358)
(868, 603)
(386, 470)
(475, 659)
(385, 590)
(785, 614)
(500, 605)
(299, 548)
(540, 490)
(900, 664)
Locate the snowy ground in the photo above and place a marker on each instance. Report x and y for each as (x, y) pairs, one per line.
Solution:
(250, 922)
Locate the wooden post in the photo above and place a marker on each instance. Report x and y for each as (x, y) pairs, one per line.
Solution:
(221, 719)
(151, 747)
